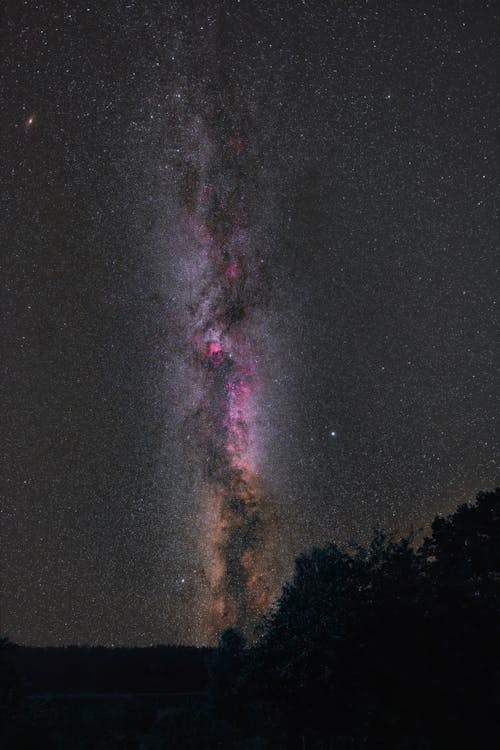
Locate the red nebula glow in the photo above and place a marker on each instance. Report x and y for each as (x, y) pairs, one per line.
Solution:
(233, 272)
(213, 348)
(215, 353)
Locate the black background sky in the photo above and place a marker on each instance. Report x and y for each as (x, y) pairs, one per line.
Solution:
(371, 127)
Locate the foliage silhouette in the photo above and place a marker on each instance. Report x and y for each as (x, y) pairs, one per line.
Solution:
(388, 647)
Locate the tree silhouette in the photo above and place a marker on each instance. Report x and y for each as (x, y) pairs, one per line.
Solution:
(386, 647)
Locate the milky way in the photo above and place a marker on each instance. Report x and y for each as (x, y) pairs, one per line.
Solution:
(226, 286)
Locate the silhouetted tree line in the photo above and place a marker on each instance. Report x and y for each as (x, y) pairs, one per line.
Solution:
(388, 647)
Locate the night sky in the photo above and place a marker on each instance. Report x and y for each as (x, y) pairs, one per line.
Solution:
(248, 255)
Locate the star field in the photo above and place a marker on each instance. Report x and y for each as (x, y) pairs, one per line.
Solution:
(368, 145)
